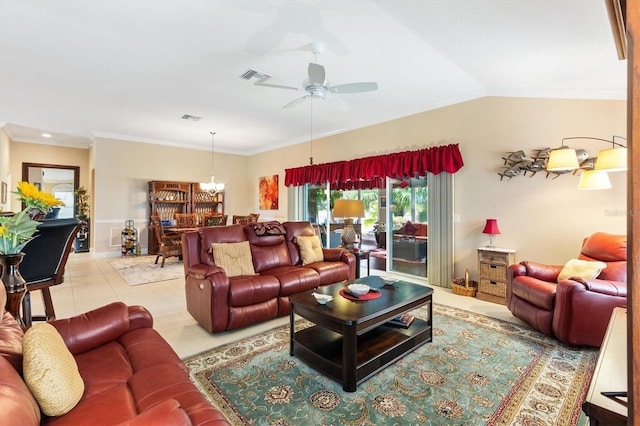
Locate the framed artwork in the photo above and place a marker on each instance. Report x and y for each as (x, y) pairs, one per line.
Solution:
(268, 192)
(383, 202)
(3, 193)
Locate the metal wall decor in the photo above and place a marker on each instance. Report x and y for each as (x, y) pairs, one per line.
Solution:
(517, 163)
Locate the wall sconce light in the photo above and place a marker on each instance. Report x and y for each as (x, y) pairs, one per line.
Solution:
(612, 159)
(594, 179)
(608, 160)
(561, 159)
(348, 209)
(491, 228)
(212, 186)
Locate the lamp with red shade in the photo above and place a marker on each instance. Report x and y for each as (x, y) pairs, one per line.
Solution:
(491, 228)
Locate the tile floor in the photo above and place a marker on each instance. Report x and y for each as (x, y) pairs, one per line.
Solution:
(91, 282)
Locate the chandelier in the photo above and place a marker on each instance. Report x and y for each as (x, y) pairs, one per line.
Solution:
(212, 186)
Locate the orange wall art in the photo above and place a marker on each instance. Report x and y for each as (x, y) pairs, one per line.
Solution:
(268, 192)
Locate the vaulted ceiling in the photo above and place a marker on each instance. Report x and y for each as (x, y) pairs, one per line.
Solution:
(80, 69)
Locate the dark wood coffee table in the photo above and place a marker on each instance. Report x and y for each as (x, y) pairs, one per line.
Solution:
(351, 340)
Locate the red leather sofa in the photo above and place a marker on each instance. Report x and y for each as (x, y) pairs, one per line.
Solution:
(130, 374)
(220, 303)
(575, 310)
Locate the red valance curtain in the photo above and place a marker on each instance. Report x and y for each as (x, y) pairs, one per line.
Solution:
(370, 172)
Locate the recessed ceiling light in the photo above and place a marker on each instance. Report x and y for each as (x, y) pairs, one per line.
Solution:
(46, 135)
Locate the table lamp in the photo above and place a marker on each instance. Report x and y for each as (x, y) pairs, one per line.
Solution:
(491, 228)
(348, 210)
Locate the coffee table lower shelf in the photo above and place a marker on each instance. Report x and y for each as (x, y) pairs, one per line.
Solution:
(323, 350)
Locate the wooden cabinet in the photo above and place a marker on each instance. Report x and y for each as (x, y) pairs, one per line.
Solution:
(204, 202)
(166, 198)
(492, 279)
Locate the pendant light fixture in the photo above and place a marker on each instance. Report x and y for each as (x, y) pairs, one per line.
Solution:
(212, 186)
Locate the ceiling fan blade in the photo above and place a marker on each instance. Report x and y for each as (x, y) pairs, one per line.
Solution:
(296, 101)
(354, 87)
(316, 73)
(277, 86)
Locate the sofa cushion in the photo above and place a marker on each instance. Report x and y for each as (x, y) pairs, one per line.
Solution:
(111, 407)
(408, 229)
(294, 279)
(50, 370)
(251, 290)
(217, 234)
(16, 402)
(234, 258)
(536, 292)
(581, 268)
(310, 249)
(331, 272)
(104, 367)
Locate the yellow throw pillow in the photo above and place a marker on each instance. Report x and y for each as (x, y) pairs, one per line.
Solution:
(310, 249)
(581, 268)
(50, 370)
(234, 258)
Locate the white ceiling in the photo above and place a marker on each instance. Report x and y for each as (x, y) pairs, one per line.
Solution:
(81, 69)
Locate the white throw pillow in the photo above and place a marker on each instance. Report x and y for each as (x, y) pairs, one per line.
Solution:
(234, 258)
(310, 249)
(50, 371)
(581, 268)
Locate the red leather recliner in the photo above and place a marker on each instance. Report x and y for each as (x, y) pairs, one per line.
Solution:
(576, 310)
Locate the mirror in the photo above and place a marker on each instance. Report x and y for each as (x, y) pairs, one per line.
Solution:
(61, 181)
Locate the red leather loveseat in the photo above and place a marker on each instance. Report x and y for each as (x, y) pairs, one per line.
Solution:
(219, 302)
(574, 310)
(130, 374)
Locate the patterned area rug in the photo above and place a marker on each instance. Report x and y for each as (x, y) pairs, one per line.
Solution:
(478, 370)
(136, 270)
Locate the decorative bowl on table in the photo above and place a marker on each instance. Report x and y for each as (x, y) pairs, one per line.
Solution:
(388, 280)
(359, 289)
(322, 299)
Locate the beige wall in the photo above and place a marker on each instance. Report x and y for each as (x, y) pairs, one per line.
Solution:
(544, 219)
(5, 172)
(45, 154)
(123, 169)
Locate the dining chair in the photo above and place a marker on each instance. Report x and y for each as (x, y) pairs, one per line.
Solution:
(215, 219)
(169, 244)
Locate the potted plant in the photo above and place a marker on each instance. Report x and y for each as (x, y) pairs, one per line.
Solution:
(82, 203)
(380, 230)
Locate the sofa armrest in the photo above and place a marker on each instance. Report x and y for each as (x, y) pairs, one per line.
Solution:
(168, 412)
(200, 271)
(541, 271)
(333, 254)
(84, 332)
(583, 308)
(611, 288)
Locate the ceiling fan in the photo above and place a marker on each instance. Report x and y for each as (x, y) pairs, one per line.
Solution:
(316, 85)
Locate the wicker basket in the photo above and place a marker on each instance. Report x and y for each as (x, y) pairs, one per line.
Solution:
(464, 286)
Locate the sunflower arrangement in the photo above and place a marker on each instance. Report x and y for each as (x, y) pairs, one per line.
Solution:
(16, 231)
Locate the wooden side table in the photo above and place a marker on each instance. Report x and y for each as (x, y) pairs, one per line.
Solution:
(362, 255)
(610, 375)
(492, 278)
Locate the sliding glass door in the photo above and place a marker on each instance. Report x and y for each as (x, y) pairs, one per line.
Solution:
(407, 216)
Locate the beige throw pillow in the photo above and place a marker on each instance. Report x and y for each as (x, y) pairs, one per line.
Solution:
(50, 370)
(581, 268)
(234, 258)
(310, 249)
